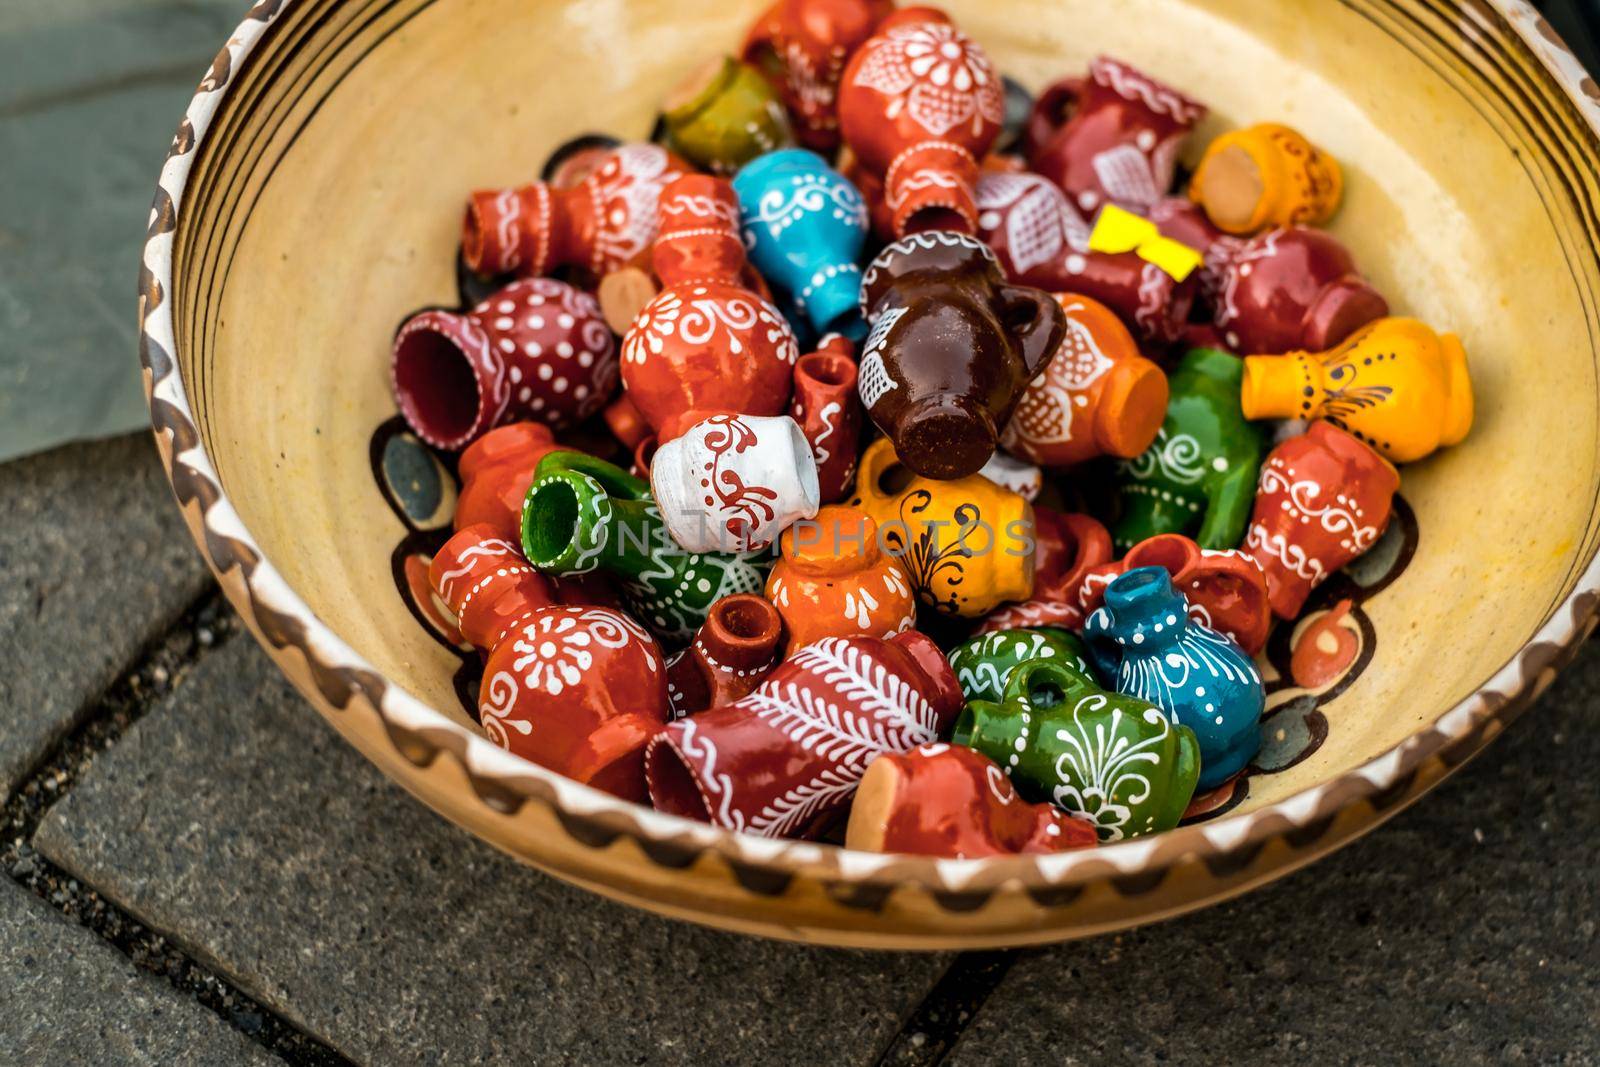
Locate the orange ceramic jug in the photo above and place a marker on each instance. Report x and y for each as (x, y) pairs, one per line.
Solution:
(835, 580)
(1266, 175)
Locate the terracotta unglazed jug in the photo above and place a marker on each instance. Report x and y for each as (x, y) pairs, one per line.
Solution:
(1266, 175)
(802, 46)
(737, 647)
(835, 580)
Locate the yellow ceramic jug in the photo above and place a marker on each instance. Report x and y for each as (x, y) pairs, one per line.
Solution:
(1394, 384)
(967, 544)
(1266, 175)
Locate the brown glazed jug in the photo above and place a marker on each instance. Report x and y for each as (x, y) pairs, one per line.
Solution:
(951, 348)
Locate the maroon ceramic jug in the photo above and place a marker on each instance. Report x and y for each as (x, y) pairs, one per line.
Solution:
(1287, 290)
(786, 758)
(951, 349)
(828, 410)
(735, 649)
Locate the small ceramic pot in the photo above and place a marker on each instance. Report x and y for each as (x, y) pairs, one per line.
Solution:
(1198, 477)
(1113, 138)
(1226, 591)
(1097, 396)
(1182, 220)
(1042, 240)
(733, 483)
(828, 409)
(951, 350)
(983, 664)
(1324, 498)
(802, 47)
(835, 580)
(1112, 759)
(739, 645)
(1143, 640)
(1290, 289)
(967, 545)
(705, 345)
(954, 802)
(784, 760)
(724, 115)
(496, 471)
(577, 689)
(583, 514)
(919, 105)
(599, 224)
(1394, 384)
(537, 349)
(1067, 548)
(1266, 175)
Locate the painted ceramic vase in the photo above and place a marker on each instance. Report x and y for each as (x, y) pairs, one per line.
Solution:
(1226, 590)
(952, 347)
(786, 759)
(983, 664)
(1143, 639)
(1097, 397)
(1287, 290)
(804, 226)
(1266, 175)
(537, 349)
(733, 483)
(1394, 384)
(828, 409)
(1112, 759)
(733, 652)
(577, 689)
(583, 514)
(496, 471)
(599, 224)
(705, 345)
(835, 580)
(1198, 477)
(1042, 240)
(724, 115)
(953, 802)
(919, 105)
(1067, 548)
(1323, 499)
(967, 545)
(802, 47)
(1111, 138)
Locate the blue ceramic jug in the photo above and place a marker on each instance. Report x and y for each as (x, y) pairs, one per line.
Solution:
(1144, 644)
(804, 225)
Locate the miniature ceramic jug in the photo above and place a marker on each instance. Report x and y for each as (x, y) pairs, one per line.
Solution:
(804, 226)
(733, 483)
(1290, 289)
(836, 580)
(583, 514)
(496, 471)
(983, 664)
(828, 408)
(1112, 138)
(1042, 240)
(1199, 475)
(1097, 397)
(1394, 384)
(536, 349)
(577, 689)
(724, 115)
(967, 545)
(1067, 548)
(1144, 641)
(920, 104)
(802, 47)
(599, 224)
(1324, 498)
(737, 647)
(1226, 590)
(1182, 220)
(705, 345)
(951, 350)
(1112, 759)
(953, 802)
(1266, 175)
(782, 761)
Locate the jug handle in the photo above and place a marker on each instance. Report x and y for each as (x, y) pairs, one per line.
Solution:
(1042, 324)
(1052, 109)
(878, 457)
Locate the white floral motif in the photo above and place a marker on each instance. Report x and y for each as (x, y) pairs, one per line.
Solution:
(556, 646)
(874, 381)
(1104, 762)
(1041, 224)
(626, 193)
(937, 75)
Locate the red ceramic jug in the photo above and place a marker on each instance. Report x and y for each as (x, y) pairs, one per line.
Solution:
(802, 47)
(1287, 290)
(735, 649)
(828, 410)
(496, 471)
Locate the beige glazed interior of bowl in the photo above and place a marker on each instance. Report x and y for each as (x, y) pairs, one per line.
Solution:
(333, 211)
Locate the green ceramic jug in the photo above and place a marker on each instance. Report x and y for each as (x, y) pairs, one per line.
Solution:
(984, 663)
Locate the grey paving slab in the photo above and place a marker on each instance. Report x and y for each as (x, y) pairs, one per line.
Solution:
(68, 998)
(1462, 932)
(236, 821)
(97, 563)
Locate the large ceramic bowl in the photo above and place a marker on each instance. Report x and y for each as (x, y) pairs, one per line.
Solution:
(313, 198)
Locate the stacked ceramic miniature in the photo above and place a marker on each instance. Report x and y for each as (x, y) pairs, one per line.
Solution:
(985, 570)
